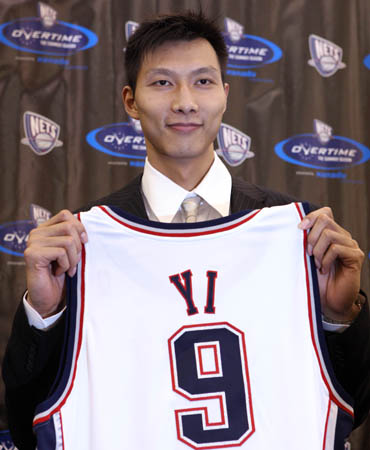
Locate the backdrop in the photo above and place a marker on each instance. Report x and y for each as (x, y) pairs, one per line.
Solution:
(297, 119)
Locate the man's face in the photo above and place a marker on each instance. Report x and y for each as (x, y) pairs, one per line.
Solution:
(179, 100)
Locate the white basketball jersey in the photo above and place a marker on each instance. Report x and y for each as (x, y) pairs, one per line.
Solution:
(200, 336)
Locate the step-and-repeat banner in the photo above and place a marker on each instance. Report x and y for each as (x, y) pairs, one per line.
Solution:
(297, 120)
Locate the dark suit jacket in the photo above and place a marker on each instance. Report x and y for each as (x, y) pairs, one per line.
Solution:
(32, 356)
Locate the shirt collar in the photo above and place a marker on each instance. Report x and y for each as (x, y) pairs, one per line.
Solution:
(165, 196)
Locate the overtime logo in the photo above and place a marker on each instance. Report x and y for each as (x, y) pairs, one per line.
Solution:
(46, 35)
(41, 133)
(119, 139)
(367, 61)
(247, 51)
(322, 150)
(14, 235)
(326, 57)
(234, 146)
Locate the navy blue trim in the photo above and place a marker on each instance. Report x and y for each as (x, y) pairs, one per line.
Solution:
(343, 429)
(178, 226)
(67, 353)
(45, 434)
(306, 207)
(321, 335)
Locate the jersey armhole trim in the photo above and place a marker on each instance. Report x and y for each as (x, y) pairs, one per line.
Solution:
(67, 373)
(336, 392)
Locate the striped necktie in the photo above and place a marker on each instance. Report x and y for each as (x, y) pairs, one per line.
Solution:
(190, 207)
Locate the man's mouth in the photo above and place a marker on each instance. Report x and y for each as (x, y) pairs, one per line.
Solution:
(184, 126)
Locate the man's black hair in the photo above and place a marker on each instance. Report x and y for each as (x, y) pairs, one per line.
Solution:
(153, 33)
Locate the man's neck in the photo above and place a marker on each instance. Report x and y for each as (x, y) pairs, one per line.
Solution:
(187, 172)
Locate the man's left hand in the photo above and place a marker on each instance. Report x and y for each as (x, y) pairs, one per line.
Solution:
(338, 259)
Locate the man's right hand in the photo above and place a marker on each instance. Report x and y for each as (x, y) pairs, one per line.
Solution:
(53, 248)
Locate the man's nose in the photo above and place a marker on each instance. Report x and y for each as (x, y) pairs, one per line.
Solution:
(184, 100)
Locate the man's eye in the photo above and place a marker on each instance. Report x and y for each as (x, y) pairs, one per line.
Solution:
(204, 81)
(162, 83)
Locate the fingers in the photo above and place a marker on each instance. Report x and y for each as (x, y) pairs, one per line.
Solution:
(350, 257)
(66, 222)
(56, 259)
(328, 242)
(58, 241)
(311, 218)
(63, 251)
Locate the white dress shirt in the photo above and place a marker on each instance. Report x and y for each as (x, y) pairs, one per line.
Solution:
(163, 197)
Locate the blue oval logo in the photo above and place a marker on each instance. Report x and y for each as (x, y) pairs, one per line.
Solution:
(367, 61)
(61, 38)
(14, 236)
(251, 51)
(119, 139)
(307, 150)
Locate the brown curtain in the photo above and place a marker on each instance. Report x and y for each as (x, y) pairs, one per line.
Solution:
(69, 149)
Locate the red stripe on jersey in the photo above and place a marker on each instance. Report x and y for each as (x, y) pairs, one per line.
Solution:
(326, 425)
(179, 234)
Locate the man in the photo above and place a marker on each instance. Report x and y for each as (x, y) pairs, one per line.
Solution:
(175, 67)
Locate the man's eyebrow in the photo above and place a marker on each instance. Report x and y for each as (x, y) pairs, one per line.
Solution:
(169, 72)
(207, 69)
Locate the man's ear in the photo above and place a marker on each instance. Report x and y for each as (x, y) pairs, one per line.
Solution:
(129, 102)
(226, 90)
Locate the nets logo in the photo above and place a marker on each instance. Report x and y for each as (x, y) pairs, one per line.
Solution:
(39, 214)
(322, 150)
(47, 14)
(326, 57)
(130, 28)
(247, 51)
(14, 235)
(41, 133)
(46, 35)
(234, 145)
(119, 139)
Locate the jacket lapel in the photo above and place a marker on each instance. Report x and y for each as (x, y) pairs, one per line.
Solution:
(245, 196)
(128, 199)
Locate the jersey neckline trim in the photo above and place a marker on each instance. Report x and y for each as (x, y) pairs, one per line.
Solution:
(179, 229)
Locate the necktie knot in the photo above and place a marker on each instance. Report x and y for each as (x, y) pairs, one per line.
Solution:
(190, 207)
